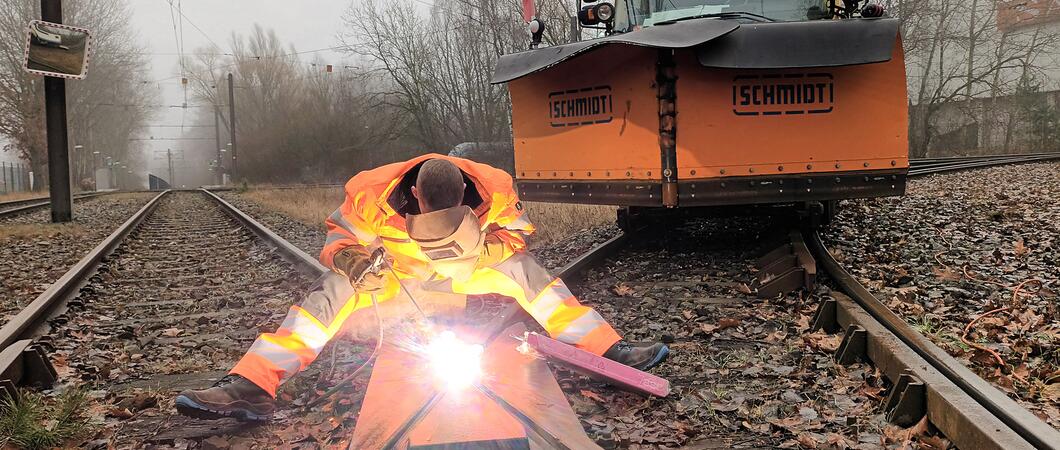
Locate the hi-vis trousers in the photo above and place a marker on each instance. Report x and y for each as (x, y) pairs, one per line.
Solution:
(275, 357)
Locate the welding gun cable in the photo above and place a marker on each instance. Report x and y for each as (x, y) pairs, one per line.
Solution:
(375, 352)
(406, 290)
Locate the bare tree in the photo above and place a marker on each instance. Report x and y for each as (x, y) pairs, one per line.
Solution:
(297, 122)
(440, 65)
(104, 110)
(955, 51)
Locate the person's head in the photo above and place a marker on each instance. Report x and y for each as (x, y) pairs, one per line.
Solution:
(439, 185)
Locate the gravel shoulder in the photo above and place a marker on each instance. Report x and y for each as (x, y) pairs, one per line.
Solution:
(35, 252)
(972, 260)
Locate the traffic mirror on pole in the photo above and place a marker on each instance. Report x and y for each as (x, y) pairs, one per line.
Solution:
(57, 50)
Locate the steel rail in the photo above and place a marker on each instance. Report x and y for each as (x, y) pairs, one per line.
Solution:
(956, 413)
(1021, 421)
(952, 159)
(16, 207)
(978, 163)
(67, 286)
(306, 264)
(29, 320)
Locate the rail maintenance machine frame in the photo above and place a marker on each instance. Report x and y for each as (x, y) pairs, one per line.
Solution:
(711, 113)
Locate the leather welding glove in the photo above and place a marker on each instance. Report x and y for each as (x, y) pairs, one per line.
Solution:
(492, 251)
(352, 262)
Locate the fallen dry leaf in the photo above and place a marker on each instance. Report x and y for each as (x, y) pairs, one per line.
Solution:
(727, 323)
(947, 274)
(1052, 392)
(593, 395)
(838, 441)
(622, 290)
(215, 442)
(119, 413)
(1019, 249)
(934, 442)
(806, 440)
(172, 332)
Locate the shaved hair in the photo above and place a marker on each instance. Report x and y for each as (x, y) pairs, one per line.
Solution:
(440, 184)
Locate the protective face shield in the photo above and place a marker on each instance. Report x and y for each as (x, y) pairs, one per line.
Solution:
(451, 238)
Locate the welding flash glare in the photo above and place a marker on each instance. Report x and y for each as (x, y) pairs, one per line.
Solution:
(455, 363)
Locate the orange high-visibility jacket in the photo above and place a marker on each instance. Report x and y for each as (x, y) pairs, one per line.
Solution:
(377, 200)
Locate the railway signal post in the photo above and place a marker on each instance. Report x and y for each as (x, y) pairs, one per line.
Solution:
(55, 117)
(57, 52)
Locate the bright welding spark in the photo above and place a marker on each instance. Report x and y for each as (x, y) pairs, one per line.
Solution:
(454, 362)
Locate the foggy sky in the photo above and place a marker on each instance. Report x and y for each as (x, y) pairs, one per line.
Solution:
(307, 25)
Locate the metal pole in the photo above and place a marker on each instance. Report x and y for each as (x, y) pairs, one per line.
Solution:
(169, 158)
(232, 122)
(217, 145)
(55, 112)
(3, 173)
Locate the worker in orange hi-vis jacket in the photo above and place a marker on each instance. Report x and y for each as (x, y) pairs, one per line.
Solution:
(450, 225)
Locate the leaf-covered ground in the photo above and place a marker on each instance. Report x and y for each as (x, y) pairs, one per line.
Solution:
(972, 259)
(745, 372)
(35, 252)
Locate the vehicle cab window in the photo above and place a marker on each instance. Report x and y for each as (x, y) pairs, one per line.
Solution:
(634, 14)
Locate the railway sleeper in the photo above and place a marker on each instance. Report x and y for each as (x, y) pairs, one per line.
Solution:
(917, 388)
(785, 269)
(25, 364)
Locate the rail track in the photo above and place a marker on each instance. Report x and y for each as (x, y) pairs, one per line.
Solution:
(181, 263)
(184, 284)
(924, 378)
(15, 207)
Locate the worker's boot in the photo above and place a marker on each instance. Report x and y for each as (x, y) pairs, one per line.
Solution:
(637, 356)
(232, 396)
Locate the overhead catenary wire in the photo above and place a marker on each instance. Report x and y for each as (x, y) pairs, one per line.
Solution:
(193, 25)
(170, 139)
(135, 105)
(252, 57)
(173, 126)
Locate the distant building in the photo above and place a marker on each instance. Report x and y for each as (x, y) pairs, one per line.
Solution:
(1011, 110)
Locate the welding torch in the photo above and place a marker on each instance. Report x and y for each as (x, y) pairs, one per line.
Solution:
(376, 264)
